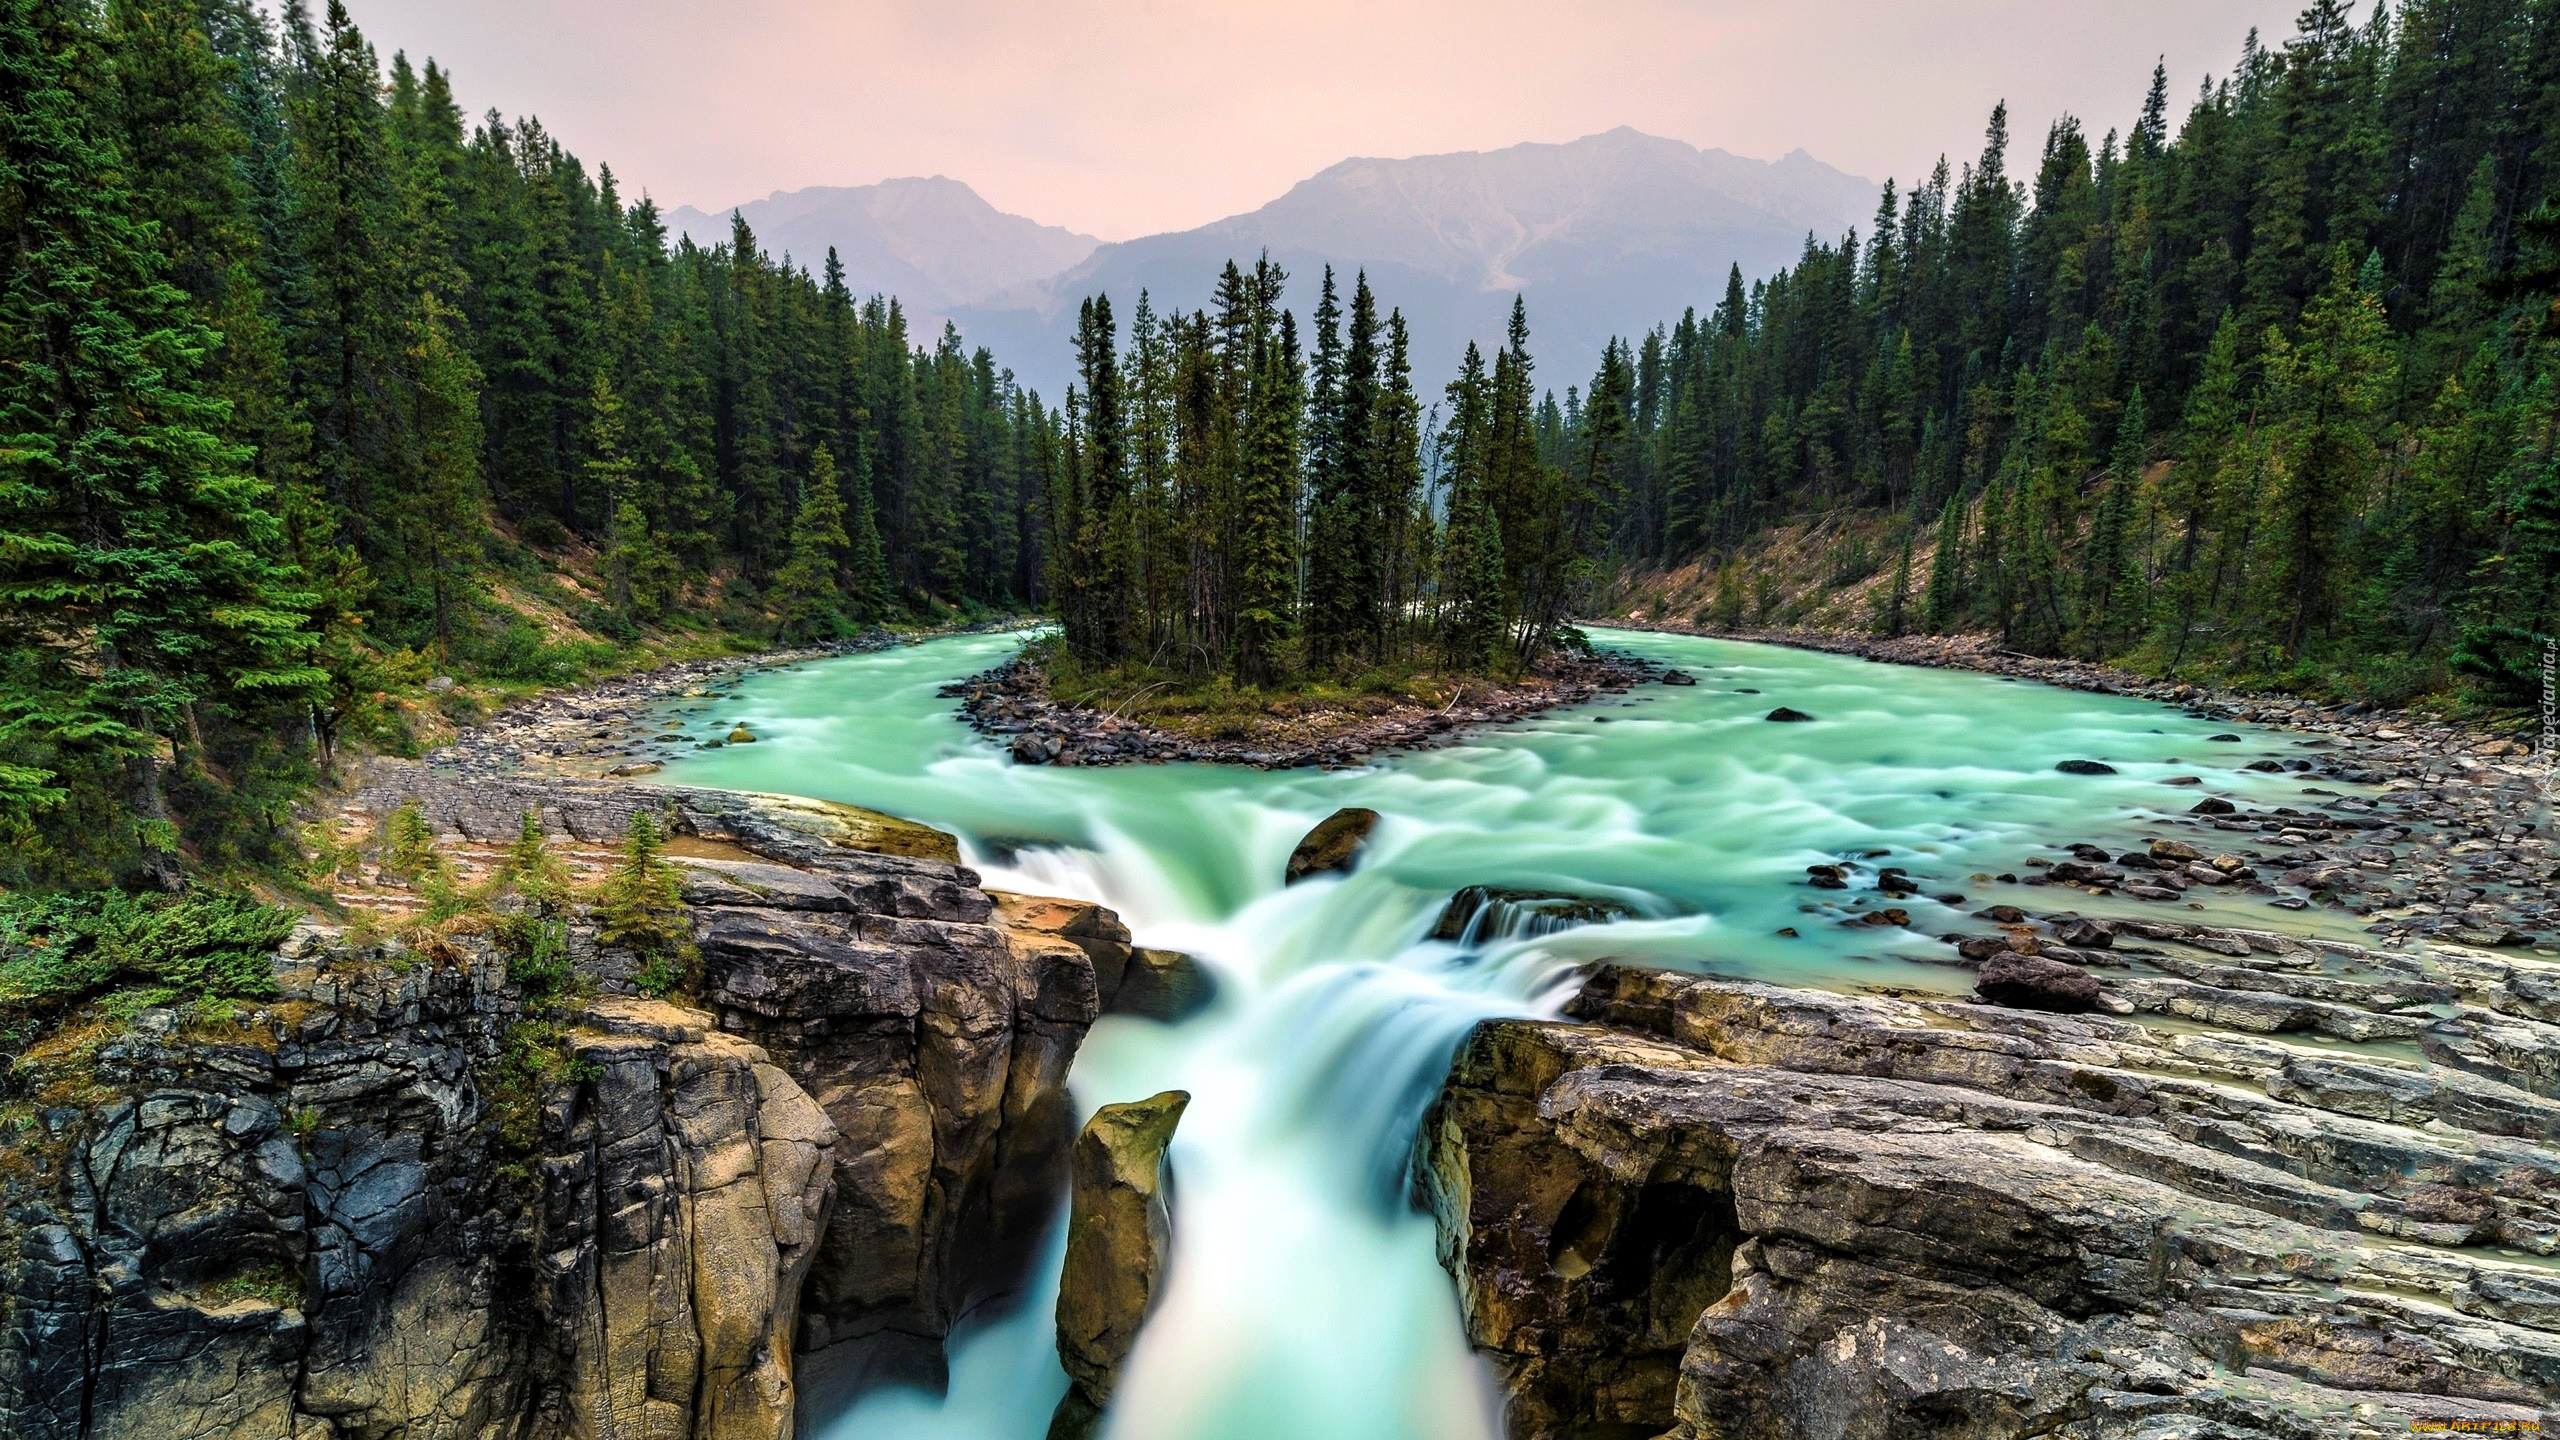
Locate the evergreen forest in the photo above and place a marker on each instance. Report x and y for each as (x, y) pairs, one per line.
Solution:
(2260, 388)
(314, 389)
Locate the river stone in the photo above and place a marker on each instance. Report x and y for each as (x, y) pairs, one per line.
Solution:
(1119, 1240)
(1678, 677)
(2085, 767)
(1788, 716)
(1533, 912)
(2036, 982)
(1333, 847)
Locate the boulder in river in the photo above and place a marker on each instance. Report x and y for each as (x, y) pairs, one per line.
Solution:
(1119, 1241)
(1333, 847)
(1787, 716)
(1491, 912)
(1678, 677)
(2085, 767)
(2036, 982)
(1165, 985)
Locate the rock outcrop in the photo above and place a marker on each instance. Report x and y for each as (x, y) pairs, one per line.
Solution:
(396, 1201)
(1739, 1211)
(1491, 912)
(1119, 1243)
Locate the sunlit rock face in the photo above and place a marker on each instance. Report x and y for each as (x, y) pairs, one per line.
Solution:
(1726, 1209)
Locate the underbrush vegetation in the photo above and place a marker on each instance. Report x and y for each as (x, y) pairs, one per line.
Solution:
(135, 951)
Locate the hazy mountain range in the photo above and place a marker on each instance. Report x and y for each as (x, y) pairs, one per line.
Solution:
(931, 242)
(1606, 235)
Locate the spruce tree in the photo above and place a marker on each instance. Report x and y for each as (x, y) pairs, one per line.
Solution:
(2329, 381)
(808, 593)
(2110, 593)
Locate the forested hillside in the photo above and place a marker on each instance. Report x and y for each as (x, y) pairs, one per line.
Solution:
(311, 389)
(2263, 387)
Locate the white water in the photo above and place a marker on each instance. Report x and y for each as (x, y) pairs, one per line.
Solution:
(1304, 1301)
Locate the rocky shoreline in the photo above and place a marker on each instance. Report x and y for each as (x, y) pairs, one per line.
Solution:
(2439, 834)
(604, 729)
(2307, 1193)
(1011, 705)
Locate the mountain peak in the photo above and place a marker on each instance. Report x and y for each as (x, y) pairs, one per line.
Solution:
(931, 240)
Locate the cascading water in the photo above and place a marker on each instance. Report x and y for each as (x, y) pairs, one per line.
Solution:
(1305, 1302)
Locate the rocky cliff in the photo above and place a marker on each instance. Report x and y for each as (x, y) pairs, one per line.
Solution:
(397, 1202)
(2308, 1192)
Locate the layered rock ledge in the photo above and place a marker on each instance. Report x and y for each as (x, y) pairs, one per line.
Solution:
(395, 1201)
(2273, 1199)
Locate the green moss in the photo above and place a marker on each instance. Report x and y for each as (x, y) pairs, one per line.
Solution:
(268, 1283)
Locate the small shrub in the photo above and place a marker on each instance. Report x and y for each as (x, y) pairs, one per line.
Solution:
(532, 871)
(537, 951)
(269, 1284)
(535, 1057)
(409, 844)
(639, 906)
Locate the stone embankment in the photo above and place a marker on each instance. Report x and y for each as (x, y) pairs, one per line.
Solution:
(2285, 1192)
(1012, 705)
(396, 1200)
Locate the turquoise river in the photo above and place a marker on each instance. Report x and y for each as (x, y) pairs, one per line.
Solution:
(1305, 1302)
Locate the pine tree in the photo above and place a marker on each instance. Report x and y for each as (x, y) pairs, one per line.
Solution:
(1471, 577)
(1405, 521)
(1945, 597)
(1264, 563)
(440, 519)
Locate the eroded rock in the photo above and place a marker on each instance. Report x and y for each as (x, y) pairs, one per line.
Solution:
(1119, 1243)
(393, 1203)
(1726, 1209)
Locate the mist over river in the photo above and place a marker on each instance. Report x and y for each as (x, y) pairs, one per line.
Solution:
(1304, 1301)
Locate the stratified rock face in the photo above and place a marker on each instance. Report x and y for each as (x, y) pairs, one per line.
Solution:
(1744, 1212)
(314, 1228)
(1333, 847)
(1119, 1243)
(359, 1213)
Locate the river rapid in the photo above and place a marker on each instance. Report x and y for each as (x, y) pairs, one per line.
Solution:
(1304, 1301)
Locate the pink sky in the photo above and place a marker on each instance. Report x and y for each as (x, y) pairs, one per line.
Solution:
(1126, 117)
